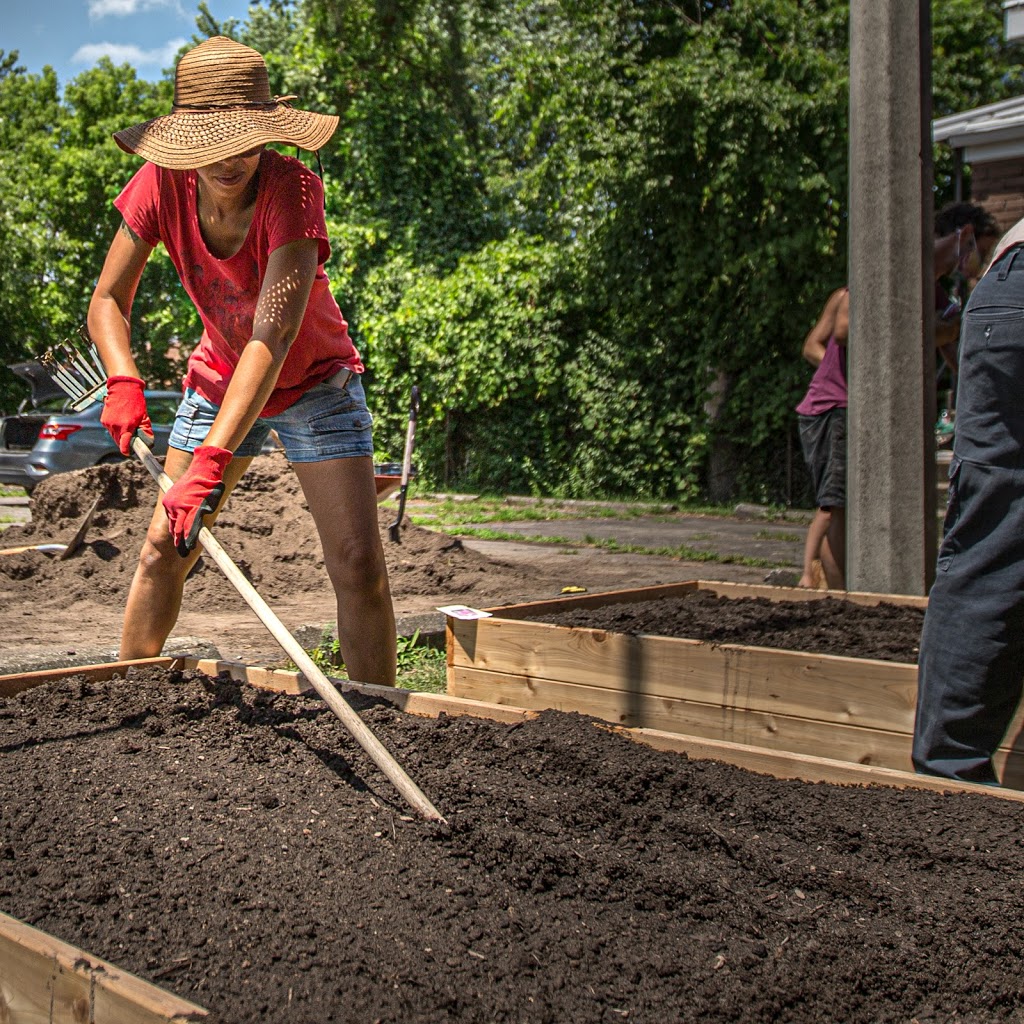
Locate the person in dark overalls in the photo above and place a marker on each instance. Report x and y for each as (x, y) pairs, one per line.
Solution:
(971, 662)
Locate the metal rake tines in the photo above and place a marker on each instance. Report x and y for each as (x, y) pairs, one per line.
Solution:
(76, 369)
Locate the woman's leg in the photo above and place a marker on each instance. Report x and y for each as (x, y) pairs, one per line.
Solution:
(816, 532)
(154, 599)
(833, 550)
(342, 498)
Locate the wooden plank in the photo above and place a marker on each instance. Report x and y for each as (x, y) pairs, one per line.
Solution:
(1009, 761)
(46, 981)
(600, 599)
(17, 682)
(278, 680)
(554, 605)
(783, 765)
(428, 705)
(772, 593)
(868, 693)
(33, 990)
(692, 718)
(777, 733)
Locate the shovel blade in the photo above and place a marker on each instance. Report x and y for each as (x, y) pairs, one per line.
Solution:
(76, 542)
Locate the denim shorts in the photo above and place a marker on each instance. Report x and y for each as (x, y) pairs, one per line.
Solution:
(327, 422)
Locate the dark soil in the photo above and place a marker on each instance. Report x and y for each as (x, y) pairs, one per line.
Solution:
(827, 626)
(239, 849)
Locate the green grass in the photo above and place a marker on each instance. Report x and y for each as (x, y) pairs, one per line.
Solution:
(7, 491)
(420, 667)
(683, 552)
(445, 513)
(486, 533)
(780, 535)
(450, 515)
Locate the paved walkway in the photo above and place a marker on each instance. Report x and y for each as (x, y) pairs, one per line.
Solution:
(727, 539)
(14, 510)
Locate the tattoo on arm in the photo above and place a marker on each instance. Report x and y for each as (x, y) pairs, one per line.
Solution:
(128, 233)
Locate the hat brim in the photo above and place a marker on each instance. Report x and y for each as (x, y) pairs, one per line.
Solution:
(188, 139)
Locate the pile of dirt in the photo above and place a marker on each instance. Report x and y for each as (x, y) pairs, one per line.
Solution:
(830, 625)
(239, 849)
(265, 526)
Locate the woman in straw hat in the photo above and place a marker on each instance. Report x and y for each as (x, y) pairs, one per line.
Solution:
(244, 227)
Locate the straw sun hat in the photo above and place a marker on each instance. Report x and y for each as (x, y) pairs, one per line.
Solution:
(222, 107)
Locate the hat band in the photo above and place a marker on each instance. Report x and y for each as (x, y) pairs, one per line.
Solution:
(256, 105)
(269, 105)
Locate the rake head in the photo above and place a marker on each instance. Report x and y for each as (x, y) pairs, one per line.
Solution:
(76, 369)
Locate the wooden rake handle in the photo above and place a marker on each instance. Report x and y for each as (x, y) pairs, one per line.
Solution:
(323, 686)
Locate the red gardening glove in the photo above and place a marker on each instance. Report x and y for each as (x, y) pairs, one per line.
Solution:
(196, 493)
(124, 411)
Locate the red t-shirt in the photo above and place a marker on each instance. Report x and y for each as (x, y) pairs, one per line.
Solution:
(159, 205)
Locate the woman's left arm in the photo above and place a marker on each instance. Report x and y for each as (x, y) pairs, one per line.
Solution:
(291, 271)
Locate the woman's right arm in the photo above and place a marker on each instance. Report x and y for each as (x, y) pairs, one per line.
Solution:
(111, 305)
(817, 338)
(124, 408)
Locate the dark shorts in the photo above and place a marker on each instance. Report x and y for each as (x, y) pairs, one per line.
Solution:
(823, 439)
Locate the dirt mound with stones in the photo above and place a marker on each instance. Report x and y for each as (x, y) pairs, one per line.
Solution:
(265, 527)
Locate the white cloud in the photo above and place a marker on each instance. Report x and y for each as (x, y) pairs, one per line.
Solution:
(120, 53)
(123, 8)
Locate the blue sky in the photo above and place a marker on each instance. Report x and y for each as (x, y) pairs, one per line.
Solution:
(72, 35)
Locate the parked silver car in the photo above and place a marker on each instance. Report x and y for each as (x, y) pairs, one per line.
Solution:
(45, 437)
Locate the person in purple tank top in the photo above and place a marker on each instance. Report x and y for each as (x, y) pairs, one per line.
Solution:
(822, 413)
(822, 418)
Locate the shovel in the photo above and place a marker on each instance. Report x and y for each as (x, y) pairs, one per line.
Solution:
(395, 529)
(62, 551)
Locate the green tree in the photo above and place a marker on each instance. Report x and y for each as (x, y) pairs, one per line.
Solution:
(684, 167)
(29, 111)
(484, 343)
(594, 232)
(59, 173)
(972, 65)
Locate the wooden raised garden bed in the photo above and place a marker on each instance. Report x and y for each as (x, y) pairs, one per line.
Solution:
(43, 979)
(852, 710)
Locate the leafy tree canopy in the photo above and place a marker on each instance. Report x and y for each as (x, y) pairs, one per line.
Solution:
(594, 232)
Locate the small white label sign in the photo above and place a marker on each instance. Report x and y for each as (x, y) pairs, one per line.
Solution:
(460, 611)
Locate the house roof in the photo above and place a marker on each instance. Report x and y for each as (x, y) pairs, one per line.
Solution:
(992, 132)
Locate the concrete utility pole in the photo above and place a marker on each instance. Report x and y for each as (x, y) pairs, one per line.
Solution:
(891, 518)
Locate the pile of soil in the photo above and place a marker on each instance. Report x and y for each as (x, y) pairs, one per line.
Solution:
(265, 526)
(238, 848)
(52, 610)
(886, 632)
